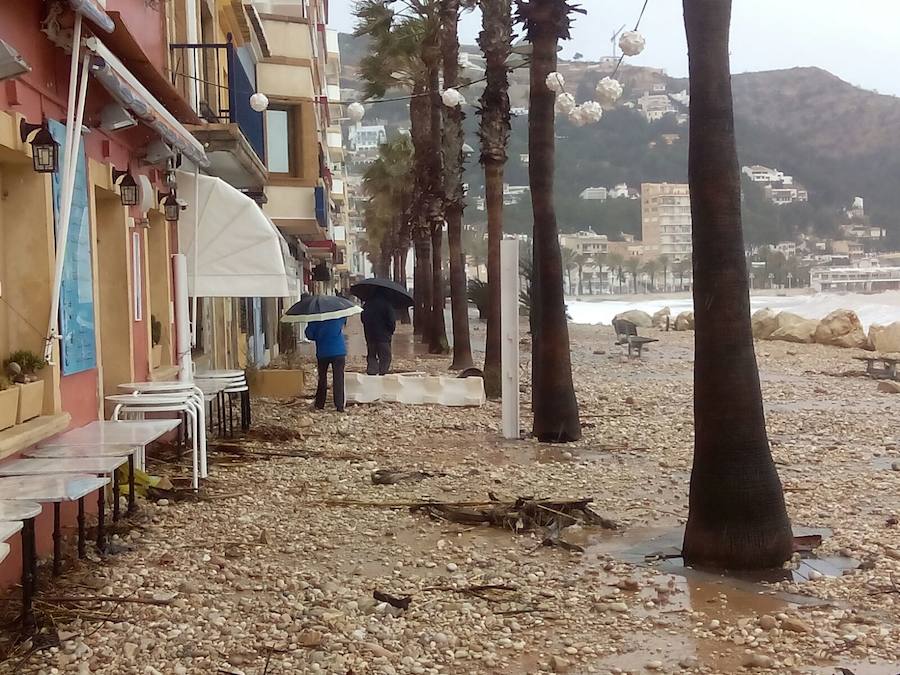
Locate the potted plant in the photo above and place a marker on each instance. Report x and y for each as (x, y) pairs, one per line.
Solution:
(155, 339)
(22, 367)
(9, 403)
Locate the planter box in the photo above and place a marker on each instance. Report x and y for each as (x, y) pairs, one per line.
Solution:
(276, 383)
(155, 356)
(31, 401)
(9, 407)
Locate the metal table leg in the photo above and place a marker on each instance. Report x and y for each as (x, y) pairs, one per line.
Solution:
(132, 505)
(29, 573)
(230, 416)
(57, 542)
(101, 519)
(81, 552)
(115, 490)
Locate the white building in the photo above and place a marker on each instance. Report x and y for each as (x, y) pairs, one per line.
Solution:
(594, 194)
(619, 191)
(366, 138)
(785, 194)
(870, 278)
(655, 106)
(666, 219)
(513, 194)
(787, 248)
(763, 174)
(587, 243)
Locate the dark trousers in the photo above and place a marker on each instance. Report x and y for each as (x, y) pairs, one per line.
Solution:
(378, 358)
(337, 364)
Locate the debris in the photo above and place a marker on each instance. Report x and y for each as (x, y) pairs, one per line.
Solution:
(400, 602)
(394, 476)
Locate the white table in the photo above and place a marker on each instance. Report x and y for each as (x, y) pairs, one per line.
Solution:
(139, 434)
(55, 489)
(24, 513)
(8, 528)
(75, 451)
(103, 466)
(220, 374)
(4, 551)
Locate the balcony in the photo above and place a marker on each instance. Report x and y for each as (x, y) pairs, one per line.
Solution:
(215, 80)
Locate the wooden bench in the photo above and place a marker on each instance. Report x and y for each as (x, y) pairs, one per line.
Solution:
(627, 336)
(880, 367)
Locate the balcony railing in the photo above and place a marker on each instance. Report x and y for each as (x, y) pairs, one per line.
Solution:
(221, 87)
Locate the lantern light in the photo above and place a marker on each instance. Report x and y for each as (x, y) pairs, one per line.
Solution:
(259, 102)
(44, 150)
(129, 191)
(555, 82)
(631, 43)
(356, 111)
(171, 207)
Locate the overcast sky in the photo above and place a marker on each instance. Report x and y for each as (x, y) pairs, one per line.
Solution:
(857, 41)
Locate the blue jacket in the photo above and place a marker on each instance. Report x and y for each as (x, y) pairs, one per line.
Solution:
(329, 338)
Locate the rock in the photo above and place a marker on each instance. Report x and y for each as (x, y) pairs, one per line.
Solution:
(310, 638)
(796, 626)
(895, 466)
(559, 665)
(764, 323)
(785, 319)
(889, 386)
(758, 661)
(689, 662)
(841, 328)
(659, 318)
(767, 622)
(162, 502)
(130, 650)
(637, 317)
(452, 567)
(618, 607)
(188, 587)
(684, 321)
(814, 575)
(654, 665)
(802, 331)
(885, 339)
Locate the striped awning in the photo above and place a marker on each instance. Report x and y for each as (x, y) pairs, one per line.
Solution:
(131, 94)
(94, 12)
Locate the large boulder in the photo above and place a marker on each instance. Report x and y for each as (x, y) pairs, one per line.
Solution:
(841, 328)
(802, 331)
(684, 321)
(764, 323)
(885, 339)
(637, 317)
(661, 317)
(785, 319)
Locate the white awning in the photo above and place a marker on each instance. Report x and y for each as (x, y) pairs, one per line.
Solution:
(240, 253)
(94, 11)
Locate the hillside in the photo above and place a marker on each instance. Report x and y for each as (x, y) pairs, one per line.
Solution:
(836, 139)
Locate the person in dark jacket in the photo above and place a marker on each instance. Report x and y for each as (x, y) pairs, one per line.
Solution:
(331, 350)
(379, 322)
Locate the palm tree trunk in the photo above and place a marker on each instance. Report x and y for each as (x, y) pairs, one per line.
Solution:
(495, 40)
(737, 517)
(453, 188)
(553, 399)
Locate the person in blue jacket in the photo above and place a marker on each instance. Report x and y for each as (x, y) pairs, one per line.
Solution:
(331, 350)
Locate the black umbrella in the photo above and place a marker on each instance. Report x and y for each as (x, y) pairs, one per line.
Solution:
(320, 308)
(398, 296)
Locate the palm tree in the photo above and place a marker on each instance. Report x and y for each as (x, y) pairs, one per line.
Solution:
(475, 247)
(615, 262)
(737, 517)
(495, 41)
(553, 392)
(651, 269)
(633, 264)
(664, 265)
(453, 188)
(580, 260)
(568, 262)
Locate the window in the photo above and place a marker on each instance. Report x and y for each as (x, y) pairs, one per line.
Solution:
(278, 140)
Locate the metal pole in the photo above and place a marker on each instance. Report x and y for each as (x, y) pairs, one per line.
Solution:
(182, 320)
(509, 330)
(196, 252)
(72, 145)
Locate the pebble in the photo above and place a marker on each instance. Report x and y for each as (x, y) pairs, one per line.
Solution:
(767, 622)
(759, 661)
(452, 567)
(559, 665)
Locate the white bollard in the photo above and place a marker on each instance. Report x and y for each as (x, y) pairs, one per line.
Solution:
(509, 331)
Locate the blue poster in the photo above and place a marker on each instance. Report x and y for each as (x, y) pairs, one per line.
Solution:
(76, 298)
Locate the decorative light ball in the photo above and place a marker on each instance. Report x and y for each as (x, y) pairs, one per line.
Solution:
(452, 98)
(608, 91)
(259, 102)
(591, 111)
(556, 82)
(356, 111)
(565, 103)
(578, 117)
(631, 43)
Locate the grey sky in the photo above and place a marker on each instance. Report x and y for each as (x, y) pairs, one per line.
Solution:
(857, 41)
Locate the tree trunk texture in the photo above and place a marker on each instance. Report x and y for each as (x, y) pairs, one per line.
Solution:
(420, 130)
(553, 398)
(453, 188)
(737, 517)
(438, 343)
(495, 40)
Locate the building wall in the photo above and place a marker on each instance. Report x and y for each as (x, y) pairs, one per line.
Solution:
(666, 218)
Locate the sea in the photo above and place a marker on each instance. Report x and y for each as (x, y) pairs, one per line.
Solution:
(881, 308)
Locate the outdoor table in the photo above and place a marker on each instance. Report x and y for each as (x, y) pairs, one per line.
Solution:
(220, 374)
(4, 551)
(214, 390)
(56, 489)
(8, 528)
(33, 466)
(24, 513)
(102, 451)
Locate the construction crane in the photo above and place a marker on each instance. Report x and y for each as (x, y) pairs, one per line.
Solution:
(615, 39)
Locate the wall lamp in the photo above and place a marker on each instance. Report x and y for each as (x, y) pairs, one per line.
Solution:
(129, 192)
(44, 150)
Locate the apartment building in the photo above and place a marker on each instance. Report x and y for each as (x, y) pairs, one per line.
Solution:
(666, 219)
